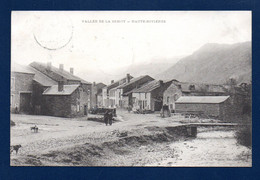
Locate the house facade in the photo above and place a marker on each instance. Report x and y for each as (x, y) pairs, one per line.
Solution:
(21, 89)
(149, 96)
(105, 97)
(112, 97)
(96, 95)
(109, 94)
(123, 92)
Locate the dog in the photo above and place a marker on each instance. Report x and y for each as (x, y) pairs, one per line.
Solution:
(15, 148)
(35, 128)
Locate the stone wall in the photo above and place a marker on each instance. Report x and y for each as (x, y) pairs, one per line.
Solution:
(37, 98)
(208, 109)
(22, 83)
(57, 105)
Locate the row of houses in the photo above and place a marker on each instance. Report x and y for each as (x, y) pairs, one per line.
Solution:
(44, 89)
(146, 93)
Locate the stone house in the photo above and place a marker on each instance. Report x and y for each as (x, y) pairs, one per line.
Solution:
(149, 96)
(211, 106)
(28, 84)
(21, 88)
(59, 75)
(123, 93)
(65, 101)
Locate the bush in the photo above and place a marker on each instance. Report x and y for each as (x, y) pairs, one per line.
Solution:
(243, 132)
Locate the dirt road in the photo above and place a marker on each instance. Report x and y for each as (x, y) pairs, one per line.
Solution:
(57, 133)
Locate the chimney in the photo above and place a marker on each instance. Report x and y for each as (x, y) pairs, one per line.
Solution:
(49, 66)
(127, 78)
(61, 67)
(112, 81)
(71, 70)
(60, 85)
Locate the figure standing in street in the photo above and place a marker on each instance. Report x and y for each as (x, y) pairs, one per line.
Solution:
(106, 117)
(110, 118)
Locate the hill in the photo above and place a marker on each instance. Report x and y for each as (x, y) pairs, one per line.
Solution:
(213, 63)
(153, 67)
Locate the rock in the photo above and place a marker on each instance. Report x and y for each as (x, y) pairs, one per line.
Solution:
(12, 123)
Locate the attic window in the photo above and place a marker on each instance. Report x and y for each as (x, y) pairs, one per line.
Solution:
(179, 86)
(175, 97)
(192, 87)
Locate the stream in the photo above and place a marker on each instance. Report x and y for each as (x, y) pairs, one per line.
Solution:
(210, 148)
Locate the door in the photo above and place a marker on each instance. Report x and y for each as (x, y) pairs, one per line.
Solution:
(25, 102)
(85, 110)
(158, 105)
(140, 104)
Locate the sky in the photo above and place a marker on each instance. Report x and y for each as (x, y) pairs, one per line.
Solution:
(100, 45)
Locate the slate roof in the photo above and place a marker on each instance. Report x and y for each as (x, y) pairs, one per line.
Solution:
(202, 99)
(67, 90)
(42, 78)
(116, 84)
(20, 68)
(42, 67)
(148, 87)
(133, 80)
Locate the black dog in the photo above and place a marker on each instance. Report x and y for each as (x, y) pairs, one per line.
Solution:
(15, 148)
(35, 128)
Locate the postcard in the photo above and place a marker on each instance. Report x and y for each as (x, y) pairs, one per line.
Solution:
(131, 88)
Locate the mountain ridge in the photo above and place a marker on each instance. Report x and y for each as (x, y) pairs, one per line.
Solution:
(213, 63)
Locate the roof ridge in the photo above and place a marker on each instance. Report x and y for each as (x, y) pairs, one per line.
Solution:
(63, 73)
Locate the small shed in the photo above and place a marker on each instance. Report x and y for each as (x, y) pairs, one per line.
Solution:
(212, 106)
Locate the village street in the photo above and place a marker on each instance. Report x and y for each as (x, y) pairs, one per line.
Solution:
(68, 135)
(55, 132)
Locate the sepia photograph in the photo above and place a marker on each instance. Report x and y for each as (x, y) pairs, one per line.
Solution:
(131, 88)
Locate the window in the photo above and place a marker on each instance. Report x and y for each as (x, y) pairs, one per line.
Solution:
(145, 95)
(78, 107)
(175, 97)
(192, 87)
(145, 104)
(168, 99)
